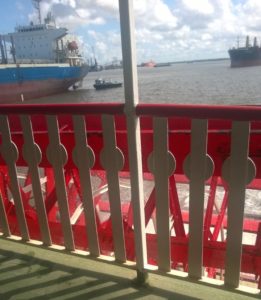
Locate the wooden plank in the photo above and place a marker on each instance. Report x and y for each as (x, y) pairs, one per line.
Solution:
(84, 158)
(32, 155)
(161, 174)
(129, 60)
(137, 193)
(236, 201)
(3, 218)
(10, 154)
(133, 131)
(57, 156)
(196, 196)
(112, 160)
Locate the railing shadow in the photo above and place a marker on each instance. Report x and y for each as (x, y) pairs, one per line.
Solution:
(33, 275)
(26, 277)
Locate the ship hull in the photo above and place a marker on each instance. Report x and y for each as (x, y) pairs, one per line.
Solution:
(245, 57)
(28, 82)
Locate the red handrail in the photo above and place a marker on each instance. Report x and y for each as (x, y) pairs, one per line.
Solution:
(195, 111)
(64, 108)
(239, 113)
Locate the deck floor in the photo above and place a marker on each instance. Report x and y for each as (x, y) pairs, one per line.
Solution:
(32, 272)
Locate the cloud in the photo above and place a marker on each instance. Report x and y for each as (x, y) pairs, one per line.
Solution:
(75, 13)
(154, 14)
(200, 6)
(249, 13)
(165, 29)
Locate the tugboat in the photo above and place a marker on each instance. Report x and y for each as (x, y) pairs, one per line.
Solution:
(101, 84)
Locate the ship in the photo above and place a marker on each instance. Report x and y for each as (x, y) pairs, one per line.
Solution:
(162, 65)
(39, 60)
(101, 84)
(150, 64)
(249, 55)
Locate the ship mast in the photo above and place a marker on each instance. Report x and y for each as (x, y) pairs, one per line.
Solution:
(255, 42)
(247, 41)
(3, 58)
(36, 4)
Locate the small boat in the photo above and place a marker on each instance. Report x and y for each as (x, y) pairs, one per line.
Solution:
(101, 84)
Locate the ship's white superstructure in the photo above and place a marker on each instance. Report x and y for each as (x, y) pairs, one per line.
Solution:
(37, 43)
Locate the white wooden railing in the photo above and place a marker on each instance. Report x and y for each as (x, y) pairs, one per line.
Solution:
(238, 171)
(93, 137)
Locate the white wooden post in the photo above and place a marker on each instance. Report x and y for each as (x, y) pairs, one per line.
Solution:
(236, 200)
(3, 218)
(112, 160)
(33, 155)
(57, 156)
(196, 196)
(163, 167)
(9, 153)
(133, 128)
(83, 158)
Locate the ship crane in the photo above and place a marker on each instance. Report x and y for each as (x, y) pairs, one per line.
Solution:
(36, 4)
(2, 51)
(247, 41)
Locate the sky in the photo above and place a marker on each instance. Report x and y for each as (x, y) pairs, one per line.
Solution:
(165, 30)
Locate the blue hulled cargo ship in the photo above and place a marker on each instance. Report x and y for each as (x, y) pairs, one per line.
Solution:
(44, 61)
(249, 55)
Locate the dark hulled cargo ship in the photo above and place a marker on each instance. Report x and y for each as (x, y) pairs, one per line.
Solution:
(247, 56)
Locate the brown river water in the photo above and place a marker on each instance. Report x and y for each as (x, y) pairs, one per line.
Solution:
(197, 83)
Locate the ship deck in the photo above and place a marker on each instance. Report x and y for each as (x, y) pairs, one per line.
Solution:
(30, 272)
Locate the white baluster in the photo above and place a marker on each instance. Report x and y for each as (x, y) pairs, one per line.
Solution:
(162, 165)
(196, 169)
(32, 155)
(240, 171)
(57, 156)
(3, 218)
(84, 159)
(112, 160)
(10, 154)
